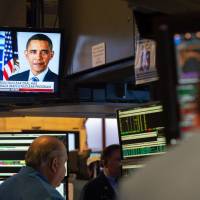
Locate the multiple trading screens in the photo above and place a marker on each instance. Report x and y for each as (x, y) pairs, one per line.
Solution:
(29, 60)
(178, 57)
(187, 51)
(141, 133)
(13, 147)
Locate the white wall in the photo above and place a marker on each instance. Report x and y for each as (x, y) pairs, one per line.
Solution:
(111, 131)
(94, 133)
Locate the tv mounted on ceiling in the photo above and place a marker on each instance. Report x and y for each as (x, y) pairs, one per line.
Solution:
(30, 61)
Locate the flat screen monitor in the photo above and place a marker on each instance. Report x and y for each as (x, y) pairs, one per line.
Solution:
(30, 60)
(178, 58)
(141, 131)
(13, 147)
(187, 54)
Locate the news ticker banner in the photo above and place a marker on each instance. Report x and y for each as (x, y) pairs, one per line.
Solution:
(26, 86)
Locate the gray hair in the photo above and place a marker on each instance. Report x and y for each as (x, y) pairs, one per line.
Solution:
(42, 154)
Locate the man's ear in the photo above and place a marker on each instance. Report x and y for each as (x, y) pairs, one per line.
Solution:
(54, 165)
(25, 53)
(52, 54)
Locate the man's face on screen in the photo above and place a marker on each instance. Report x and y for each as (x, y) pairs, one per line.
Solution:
(38, 55)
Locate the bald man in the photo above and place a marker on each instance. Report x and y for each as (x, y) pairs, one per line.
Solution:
(44, 170)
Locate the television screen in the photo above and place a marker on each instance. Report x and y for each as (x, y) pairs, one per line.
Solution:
(13, 147)
(187, 50)
(141, 132)
(30, 60)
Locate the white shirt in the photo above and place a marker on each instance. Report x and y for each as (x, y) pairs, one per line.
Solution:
(39, 76)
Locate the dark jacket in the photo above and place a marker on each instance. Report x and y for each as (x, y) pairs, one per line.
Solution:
(49, 77)
(23, 76)
(98, 189)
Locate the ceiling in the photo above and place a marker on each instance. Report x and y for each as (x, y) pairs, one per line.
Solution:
(103, 109)
(99, 110)
(51, 6)
(167, 7)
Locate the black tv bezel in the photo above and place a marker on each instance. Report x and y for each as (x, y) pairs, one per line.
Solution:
(165, 29)
(142, 105)
(8, 94)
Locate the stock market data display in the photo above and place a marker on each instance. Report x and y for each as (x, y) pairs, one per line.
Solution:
(187, 54)
(141, 131)
(13, 147)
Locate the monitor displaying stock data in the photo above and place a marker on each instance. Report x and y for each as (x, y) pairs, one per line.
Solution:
(13, 147)
(141, 131)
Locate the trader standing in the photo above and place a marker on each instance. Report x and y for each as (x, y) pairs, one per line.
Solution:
(104, 187)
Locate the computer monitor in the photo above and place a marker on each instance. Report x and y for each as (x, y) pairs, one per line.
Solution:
(13, 147)
(30, 60)
(141, 132)
(178, 61)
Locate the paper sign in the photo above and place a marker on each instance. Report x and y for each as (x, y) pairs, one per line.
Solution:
(98, 55)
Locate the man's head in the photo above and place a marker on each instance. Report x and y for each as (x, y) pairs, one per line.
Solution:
(111, 160)
(48, 156)
(39, 52)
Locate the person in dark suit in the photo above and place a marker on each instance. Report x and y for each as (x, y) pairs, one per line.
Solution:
(50, 76)
(38, 53)
(104, 187)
